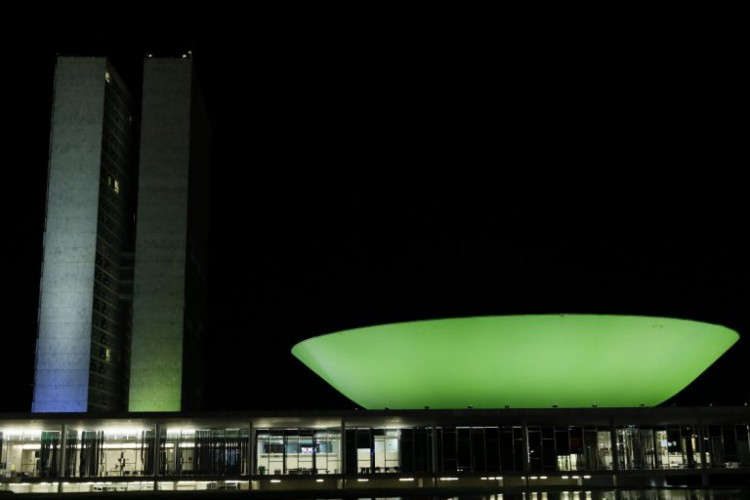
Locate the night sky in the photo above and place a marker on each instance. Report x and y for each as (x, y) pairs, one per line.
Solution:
(358, 181)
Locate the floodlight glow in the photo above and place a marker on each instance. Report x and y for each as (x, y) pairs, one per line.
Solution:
(538, 361)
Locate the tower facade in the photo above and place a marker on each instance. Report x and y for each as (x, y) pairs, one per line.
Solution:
(169, 288)
(123, 288)
(83, 337)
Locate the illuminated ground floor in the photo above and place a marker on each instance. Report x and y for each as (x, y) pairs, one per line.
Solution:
(360, 450)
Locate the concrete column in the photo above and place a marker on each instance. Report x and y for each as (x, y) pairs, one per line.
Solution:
(157, 455)
(434, 466)
(434, 463)
(342, 458)
(251, 450)
(526, 464)
(62, 457)
(615, 451)
(702, 452)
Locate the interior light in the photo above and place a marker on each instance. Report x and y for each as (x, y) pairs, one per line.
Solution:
(406, 479)
(362, 480)
(319, 480)
(275, 480)
(587, 477)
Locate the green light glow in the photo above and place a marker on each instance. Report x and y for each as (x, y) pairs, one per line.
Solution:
(521, 361)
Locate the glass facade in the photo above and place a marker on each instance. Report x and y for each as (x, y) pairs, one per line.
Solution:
(110, 337)
(298, 451)
(180, 455)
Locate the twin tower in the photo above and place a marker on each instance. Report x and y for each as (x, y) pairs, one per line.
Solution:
(123, 286)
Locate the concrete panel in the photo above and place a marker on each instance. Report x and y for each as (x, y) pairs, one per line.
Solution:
(61, 390)
(49, 404)
(62, 361)
(64, 348)
(70, 239)
(64, 378)
(156, 320)
(161, 249)
(64, 307)
(71, 276)
(68, 246)
(77, 331)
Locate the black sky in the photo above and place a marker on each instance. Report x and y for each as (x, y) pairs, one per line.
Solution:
(359, 181)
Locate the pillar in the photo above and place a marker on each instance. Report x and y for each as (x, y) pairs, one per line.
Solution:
(157, 455)
(434, 464)
(251, 450)
(342, 457)
(702, 452)
(615, 451)
(63, 458)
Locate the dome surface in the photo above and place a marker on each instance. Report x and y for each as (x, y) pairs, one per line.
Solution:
(532, 361)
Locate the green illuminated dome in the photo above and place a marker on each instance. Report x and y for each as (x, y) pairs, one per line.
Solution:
(518, 361)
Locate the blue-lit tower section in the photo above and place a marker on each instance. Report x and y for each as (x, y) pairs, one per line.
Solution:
(83, 338)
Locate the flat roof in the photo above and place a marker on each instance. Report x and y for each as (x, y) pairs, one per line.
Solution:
(392, 418)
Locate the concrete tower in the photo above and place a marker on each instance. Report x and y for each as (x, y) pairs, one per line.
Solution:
(169, 293)
(81, 356)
